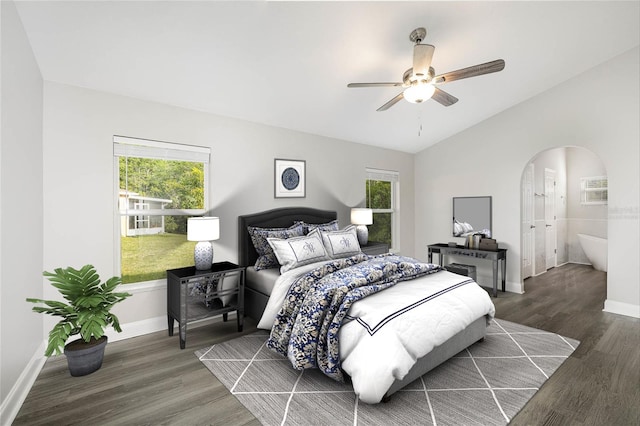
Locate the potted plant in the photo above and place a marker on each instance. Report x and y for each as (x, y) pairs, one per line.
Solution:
(87, 313)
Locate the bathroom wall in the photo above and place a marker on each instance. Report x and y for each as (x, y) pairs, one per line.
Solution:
(583, 219)
(572, 218)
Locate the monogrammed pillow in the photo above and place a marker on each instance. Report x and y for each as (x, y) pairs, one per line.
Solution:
(343, 243)
(298, 251)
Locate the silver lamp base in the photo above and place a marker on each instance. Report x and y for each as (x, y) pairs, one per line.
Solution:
(363, 234)
(203, 255)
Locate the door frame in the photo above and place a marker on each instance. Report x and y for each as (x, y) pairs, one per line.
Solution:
(550, 220)
(528, 193)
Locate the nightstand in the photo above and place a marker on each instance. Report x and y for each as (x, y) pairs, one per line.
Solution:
(197, 294)
(373, 247)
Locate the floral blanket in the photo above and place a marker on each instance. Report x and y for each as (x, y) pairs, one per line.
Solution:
(306, 327)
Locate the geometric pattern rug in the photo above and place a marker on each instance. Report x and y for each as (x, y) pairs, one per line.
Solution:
(485, 384)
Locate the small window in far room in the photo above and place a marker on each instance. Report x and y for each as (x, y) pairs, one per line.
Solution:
(594, 190)
(158, 186)
(382, 196)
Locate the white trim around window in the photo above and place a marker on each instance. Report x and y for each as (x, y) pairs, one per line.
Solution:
(144, 148)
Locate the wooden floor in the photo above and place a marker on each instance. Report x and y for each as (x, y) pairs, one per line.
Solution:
(148, 380)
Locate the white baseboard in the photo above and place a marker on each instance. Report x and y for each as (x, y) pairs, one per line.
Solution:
(137, 328)
(510, 286)
(18, 393)
(486, 281)
(153, 325)
(622, 308)
(514, 287)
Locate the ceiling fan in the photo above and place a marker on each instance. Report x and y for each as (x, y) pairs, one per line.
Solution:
(421, 82)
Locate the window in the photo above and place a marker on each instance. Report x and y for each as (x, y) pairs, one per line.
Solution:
(594, 190)
(382, 196)
(158, 187)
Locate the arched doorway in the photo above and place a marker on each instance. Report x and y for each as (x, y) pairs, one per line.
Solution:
(560, 199)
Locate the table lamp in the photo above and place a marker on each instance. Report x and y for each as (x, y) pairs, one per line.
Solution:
(203, 230)
(362, 217)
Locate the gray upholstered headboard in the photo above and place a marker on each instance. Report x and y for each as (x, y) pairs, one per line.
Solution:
(276, 218)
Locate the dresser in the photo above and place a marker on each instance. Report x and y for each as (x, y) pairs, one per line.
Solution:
(497, 257)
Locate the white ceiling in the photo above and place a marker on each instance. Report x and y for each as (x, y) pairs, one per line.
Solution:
(287, 64)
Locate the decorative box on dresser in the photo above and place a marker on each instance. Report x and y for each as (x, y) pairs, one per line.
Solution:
(194, 294)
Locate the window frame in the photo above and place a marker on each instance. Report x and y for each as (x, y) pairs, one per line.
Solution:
(394, 178)
(145, 148)
(584, 190)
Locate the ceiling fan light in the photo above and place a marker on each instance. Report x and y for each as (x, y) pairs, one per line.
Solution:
(419, 93)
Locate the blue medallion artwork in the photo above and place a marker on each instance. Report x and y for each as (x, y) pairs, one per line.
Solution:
(290, 178)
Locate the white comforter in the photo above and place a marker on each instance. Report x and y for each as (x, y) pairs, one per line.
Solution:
(389, 330)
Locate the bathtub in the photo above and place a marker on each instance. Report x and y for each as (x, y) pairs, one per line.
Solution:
(596, 250)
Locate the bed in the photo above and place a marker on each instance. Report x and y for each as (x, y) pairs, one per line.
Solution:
(256, 287)
(260, 284)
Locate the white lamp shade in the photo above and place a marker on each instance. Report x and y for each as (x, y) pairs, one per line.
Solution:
(419, 92)
(361, 216)
(203, 228)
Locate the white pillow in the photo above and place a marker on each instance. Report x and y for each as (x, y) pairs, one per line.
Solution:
(298, 251)
(340, 244)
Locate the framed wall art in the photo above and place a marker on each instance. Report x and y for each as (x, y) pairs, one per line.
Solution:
(290, 179)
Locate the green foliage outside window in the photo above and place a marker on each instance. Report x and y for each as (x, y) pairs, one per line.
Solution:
(381, 229)
(378, 196)
(182, 182)
(146, 257)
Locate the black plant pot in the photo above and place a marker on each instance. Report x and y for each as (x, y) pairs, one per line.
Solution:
(85, 357)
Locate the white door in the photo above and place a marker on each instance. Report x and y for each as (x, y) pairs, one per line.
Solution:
(528, 222)
(550, 218)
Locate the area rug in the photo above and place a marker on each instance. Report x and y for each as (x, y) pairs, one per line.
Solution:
(486, 384)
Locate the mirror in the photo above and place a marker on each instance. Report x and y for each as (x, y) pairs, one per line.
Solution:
(471, 215)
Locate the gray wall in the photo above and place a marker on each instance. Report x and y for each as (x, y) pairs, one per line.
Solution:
(79, 125)
(603, 121)
(21, 331)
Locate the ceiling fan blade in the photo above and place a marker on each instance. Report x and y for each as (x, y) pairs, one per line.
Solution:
(422, 55)
(392, 102)
(373, 84)
(443, 97)
(486, 68)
